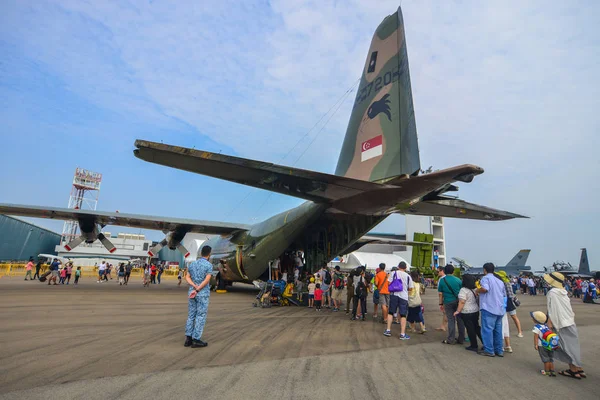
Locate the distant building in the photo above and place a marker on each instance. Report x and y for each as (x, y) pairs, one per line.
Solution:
(129, 247)
(20, 240)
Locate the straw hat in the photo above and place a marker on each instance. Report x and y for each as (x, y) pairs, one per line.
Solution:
(555, 279)
(503, 276)
(539, 317)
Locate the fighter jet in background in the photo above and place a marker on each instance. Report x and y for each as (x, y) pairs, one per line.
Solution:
(514, 266)
(377, 175)
(567, 269)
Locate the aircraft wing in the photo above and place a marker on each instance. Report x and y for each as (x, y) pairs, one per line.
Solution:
(120, 219)
(308, 185)
(456, 208)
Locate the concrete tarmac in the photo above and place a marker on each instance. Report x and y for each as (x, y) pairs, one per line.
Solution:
(105, 341)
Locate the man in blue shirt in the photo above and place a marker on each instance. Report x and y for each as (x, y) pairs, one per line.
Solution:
(198, 277)
(54, 271)
(492, 303)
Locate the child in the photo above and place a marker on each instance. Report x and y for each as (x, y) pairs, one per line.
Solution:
(545, 342)
(311, 292)
(299, 289)
(318, 296)
(180, 276)
(77, 275)
(63, 275)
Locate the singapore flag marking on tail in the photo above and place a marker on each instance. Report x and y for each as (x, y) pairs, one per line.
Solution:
(372, 148)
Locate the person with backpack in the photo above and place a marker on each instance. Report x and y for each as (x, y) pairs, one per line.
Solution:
(448, 288)
(399, 285)
(326, 287)
(360, 293)
(338, 289)
(415, 305)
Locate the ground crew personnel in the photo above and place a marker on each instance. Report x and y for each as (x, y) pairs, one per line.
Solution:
(198, 277)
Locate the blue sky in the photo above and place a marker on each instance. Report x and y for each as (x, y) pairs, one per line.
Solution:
(511, 86)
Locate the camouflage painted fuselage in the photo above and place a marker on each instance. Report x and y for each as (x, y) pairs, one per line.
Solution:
(308, 227)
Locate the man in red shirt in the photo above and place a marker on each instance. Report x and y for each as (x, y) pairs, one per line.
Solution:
(153, 273)
(28, 268)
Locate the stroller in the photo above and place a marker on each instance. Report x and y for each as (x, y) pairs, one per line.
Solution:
(44, 276)
(270, 294)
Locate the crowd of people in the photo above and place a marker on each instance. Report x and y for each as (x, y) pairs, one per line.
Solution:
(476, 310)
(59, 274)
(576, 286)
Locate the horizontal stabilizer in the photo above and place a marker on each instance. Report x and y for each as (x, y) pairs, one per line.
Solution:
(309, 185)
(120, 219)
(456, 208)
(370, 239)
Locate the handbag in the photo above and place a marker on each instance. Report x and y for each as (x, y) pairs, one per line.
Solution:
(396, 285)
(516, 301)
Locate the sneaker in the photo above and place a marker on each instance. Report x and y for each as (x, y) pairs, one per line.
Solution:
(520, 334)
(508, 349)
(387, 333)
(404, 337)
(485, 353)
(188, 341)
(499, 354)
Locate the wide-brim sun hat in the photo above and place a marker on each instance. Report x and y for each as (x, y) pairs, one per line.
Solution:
(539, 317)
(503, 275)
(555, 279)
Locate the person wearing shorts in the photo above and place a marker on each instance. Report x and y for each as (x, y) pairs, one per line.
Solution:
(381, 284)
(399, 300)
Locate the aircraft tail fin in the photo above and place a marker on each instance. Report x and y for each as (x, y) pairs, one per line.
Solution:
(584, 264)
(381, 138)
(519, 259)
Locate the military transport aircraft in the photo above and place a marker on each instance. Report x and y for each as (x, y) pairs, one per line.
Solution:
(514, 266)
(377, 175)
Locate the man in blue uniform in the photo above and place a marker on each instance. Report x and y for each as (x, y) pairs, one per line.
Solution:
(198, 277)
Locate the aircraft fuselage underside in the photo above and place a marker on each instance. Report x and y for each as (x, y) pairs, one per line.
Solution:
(321, 235)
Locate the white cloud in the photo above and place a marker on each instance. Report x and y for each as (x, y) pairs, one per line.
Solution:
(509, 86)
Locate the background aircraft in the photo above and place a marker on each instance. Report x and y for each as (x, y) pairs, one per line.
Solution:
(567, 269)
(513, 267)
(377, 175)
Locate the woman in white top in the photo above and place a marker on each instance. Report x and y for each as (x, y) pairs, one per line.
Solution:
(468, 308)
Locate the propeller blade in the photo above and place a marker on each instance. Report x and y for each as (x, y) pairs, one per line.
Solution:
(154, 251)
(183, 250)
(74, 243)
(106, 243)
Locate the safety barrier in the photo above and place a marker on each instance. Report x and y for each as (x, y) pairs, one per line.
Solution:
(18, 269)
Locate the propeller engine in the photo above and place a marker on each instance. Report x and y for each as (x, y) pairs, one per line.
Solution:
(173, 241)
(90, 232)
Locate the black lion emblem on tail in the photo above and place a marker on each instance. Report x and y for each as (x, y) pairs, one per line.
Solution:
(380, 106)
